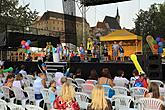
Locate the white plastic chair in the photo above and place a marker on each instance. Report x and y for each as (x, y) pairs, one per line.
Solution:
(91, 82)
(77, 89)
(33, 107)
(30, 78)
(150, 104)
(158, 82)
(79, 81)
(122, 102)
(70, 80)
(119, 83)
(106, 89)
(6, 94)
(47, 96)
(138, 92)
(3, 105)
(19, 95)
(82, 99)
(31, 95)
(87, 88)
(15, 106)
(27, 82)
(120, 90)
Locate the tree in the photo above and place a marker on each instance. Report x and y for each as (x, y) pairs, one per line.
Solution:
(151, 22)
(11, 13)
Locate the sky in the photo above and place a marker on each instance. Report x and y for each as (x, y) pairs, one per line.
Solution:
(127, 10)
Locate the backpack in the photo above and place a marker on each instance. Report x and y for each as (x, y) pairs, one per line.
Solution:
(138, 83)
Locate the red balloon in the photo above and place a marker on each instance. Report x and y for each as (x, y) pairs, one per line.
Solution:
(156, 46)
(161, 40)
(23, 42)
(27, 47)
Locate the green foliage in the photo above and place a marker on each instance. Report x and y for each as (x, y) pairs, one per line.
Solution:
(151, 22)
(13, 13)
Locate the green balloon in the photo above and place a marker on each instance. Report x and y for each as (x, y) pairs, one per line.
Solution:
(8, 70)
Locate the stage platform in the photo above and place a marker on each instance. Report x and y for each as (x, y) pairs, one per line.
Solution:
(127, 67)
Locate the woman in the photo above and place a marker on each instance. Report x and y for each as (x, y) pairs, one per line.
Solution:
(93, 75)
(99, 102)
(105, 78)
(154, 91)
(19, 81)
(67, 99)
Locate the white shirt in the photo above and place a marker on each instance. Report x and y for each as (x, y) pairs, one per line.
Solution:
(23, 72)
(18, 83)
(38, 85)
(120, 81)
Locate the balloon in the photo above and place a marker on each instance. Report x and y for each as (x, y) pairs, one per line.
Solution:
(160, 44)
(26, 44)
(161, 40)
(23, 42)
(23, 46)
(158, 39)
(29, 42)
(27, 47)
(27, 51)
(136, 63)
(154, 42)
(8, 70)
(156, 46)
(160, 50)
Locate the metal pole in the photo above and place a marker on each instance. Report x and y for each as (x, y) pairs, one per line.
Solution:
(84, 28)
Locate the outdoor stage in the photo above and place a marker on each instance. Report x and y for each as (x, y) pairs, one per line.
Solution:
(128, 67)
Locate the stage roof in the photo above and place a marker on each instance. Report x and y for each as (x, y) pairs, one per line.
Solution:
(120, 35)
(99, 2)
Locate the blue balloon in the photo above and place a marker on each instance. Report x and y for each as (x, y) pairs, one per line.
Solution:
(23, 46)
(160, 50)
(158, 39)
(29, 42)
(160, 44)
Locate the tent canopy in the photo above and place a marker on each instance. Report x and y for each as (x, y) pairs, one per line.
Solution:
(120, 35)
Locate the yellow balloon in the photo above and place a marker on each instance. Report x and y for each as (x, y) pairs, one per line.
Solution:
(136, 63)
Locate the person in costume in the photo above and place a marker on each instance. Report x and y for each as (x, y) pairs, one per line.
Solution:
(82, 52)
(89, 45)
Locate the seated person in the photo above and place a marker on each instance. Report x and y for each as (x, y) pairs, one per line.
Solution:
(142, 81)
(120, 80)
(19, 81)
(99, 102)
(39, 83)
(135, 76)
(105, 78)
(66, 101)
(154, 91)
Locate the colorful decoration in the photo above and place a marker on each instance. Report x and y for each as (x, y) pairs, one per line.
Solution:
(26, 45)
(136, 63)
(8, 70)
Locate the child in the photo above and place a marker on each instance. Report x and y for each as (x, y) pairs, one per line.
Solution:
(52, 86)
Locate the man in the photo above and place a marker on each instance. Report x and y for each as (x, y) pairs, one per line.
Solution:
(121, 50)
(115, 48)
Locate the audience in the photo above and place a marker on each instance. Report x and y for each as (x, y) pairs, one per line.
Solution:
(22, 71)
(77, 74)
(18, 82)
(93, 75)
(105, 78)
(66, 101)
(154, 91)
(59, 87)
(120, 80)
(52, 86)
(142, 81)
(99, 102)
(39, 83)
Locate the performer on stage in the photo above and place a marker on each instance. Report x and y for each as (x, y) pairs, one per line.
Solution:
(105, 52)
(115, 48)
(82, 52)
(121, 50)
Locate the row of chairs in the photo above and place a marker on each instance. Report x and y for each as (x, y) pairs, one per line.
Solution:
(4, 105)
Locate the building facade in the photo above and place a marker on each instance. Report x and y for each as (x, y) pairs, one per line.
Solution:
(55, 24)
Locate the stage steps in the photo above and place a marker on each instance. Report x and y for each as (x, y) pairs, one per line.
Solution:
(53, 67)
